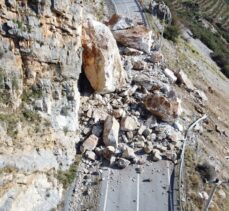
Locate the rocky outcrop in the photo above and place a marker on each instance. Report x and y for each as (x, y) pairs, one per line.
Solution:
(137, 37)
(101, 59)
(40, 61)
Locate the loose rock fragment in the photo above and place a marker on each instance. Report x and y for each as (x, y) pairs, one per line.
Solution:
(89, 144)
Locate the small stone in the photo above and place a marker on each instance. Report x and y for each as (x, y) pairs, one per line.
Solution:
(130, 135)
(156, 155)
(122, 163)
(97, 130)
(146, 132)
(129, 123)
(118, 113)
(90, 155)
(89, 144)
(148, 147)
(139, 144)
(112, 160)
(222, 194)
(139, 65)
(141, 129)
(169, 73)
(108, 152)
(178, 126)
(128, 153)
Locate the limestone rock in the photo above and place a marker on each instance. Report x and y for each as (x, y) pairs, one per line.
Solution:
(108, 152)
(156, 155)
(129, 123)
(138, 64)
(137, 37)
(89, 144)
(101, 59)
(132, 52)
(128, 153)
(167, 108)
(118, 22)
(111, 132)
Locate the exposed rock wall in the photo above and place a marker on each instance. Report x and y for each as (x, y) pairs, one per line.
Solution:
(40, 62)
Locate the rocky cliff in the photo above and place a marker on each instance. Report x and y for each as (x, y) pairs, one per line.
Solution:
(40, 63)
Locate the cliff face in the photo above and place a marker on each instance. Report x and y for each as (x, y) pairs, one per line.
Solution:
(40, 62)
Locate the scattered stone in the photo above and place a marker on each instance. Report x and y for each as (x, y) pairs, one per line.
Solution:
(118, 113)
(139, 144)
(90, 155)
(146, 132)
(200, 94)
(148, 147)
(129, 123)
(156, 155)
(97, 130)
(122, 163)
(111, 132)
(183, 79)
(89, 144)
(204, 195)
(128, 153)
(108, 152)
(132, 52)
(156, 57)
(138, 65)
(178, 126)
(141, 129)
(222, 194)
(112, 160)
(171, 76)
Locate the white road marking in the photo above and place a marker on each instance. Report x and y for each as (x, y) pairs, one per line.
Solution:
(138, 184)
(106, 192)
(168, 171)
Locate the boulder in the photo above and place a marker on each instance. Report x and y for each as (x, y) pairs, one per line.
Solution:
(101, 60)
(165, 107)
(118, 22)
(122, 163)
(156, 57)
(89, 144)
(137, 37)
(148, 147)
(129, 123)
(182, 78)
(111, 132)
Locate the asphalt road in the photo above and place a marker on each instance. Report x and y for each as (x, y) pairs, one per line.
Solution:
(126, 190)
(129, 8)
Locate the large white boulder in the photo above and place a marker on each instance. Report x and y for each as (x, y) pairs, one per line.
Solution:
(101, 58)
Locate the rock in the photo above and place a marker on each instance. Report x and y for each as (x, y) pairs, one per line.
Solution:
(146, 132)
(183, 79)
(138, 65)
(122, 163)
(156, 57)
(108, 152)
(99, 151)
(89, 144)
(139, 144)
(112, 160)
(101, 59)
(97, 130)
(111, 132)
(178, 126)
(137, 37)
(160, 148)
(99, 115)
(128, 152)
(118, 22)
(118, 113)
(171, 76)
(171, 156)
(90, 155)
(141, 129)
(129, 123)
(167, 108)
(160, 10)
(200, 94)
(156, 155)
(148, 147)
(222, 194)
(132, 52)
(204, 195)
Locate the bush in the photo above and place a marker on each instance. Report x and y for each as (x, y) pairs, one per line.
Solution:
(172, 32)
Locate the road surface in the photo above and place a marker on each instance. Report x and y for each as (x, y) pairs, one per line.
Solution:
(129, 8)
(126, 190)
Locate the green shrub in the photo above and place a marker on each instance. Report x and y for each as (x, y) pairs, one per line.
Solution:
(172, 32)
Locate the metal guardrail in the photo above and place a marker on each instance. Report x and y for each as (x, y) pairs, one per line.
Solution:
(183, 153)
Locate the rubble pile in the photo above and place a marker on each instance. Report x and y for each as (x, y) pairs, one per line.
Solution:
(138, 118)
